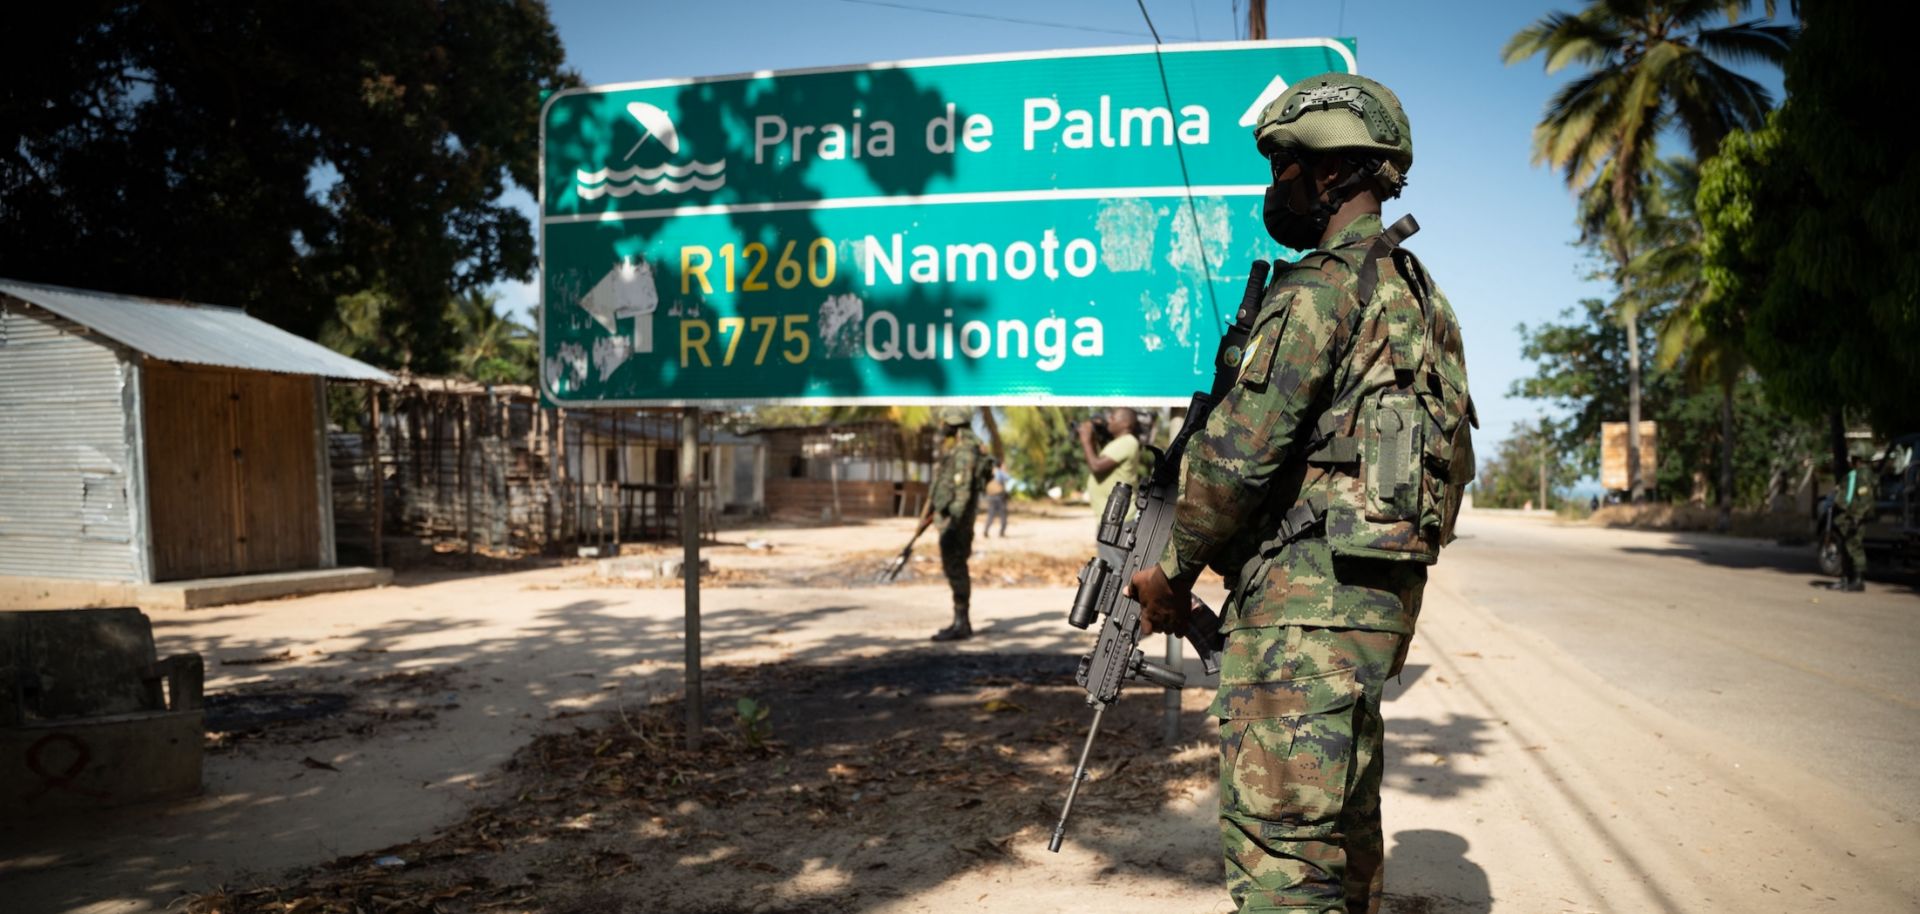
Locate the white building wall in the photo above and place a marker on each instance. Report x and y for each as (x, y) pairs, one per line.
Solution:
(69, 471)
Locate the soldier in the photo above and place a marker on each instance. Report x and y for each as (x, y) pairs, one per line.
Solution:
(1322, 486)
(958, 480)
(1853, 509)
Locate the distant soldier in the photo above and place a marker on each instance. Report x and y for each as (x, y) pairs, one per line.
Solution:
(1324, 484)
(958, 481)
(1852, 511)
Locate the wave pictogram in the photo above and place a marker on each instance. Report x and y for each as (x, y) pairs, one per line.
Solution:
(664, 179)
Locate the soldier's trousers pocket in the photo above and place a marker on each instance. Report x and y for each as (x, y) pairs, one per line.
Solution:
(1287, 753)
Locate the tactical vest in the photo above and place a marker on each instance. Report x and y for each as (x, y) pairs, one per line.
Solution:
(1392, 452)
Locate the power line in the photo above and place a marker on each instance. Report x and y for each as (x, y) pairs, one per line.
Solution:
(1186, 180)
(964, 14)
(1143, 15)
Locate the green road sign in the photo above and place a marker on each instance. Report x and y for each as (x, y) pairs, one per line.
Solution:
(1063, 227)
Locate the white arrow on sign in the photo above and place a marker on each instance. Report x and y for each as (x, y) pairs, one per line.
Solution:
(1267, 95)
(626, 291)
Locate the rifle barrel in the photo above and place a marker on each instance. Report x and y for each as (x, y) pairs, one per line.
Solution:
(1079, 774)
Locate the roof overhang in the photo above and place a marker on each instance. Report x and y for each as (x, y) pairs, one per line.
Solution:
(192, 333)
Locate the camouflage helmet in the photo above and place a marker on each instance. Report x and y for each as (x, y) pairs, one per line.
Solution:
(955, 415)
(1338, 111)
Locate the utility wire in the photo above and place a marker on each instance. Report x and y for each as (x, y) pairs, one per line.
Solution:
(1150, 28)
(1186, 180)
(965, 14)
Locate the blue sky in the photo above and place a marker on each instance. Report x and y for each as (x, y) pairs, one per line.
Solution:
(1496, 232)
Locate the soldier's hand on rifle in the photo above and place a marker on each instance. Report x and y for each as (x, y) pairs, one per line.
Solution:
(1163, 608)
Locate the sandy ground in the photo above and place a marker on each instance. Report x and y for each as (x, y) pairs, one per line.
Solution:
(1524, 774)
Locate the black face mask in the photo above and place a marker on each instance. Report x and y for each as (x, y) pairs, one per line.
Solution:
(1300, 231)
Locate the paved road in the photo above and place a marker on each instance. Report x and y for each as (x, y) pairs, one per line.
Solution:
(1727, 634)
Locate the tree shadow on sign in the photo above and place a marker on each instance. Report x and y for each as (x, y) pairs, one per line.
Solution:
(692, 356)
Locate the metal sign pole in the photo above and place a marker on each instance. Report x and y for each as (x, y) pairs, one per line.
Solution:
(690, 569)
(1171, 733)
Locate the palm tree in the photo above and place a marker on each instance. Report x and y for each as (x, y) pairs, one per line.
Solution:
(1702, 333)
(1651, 65)
(494, 348)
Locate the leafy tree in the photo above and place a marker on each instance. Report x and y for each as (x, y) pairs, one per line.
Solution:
(1511, 478)
(1651, 65)
(1813, 219)
(1578, 371)
(1043, 446)
(1702, 334)
(292, 158)
(493, 348)
(1770, 455)
(1581, 370)
(487, 346)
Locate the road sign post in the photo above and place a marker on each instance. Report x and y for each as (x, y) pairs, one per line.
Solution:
(1065, 227)
(690, 569)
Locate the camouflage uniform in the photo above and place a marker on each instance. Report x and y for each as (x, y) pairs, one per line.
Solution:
(958, 481)
(1855, 509)
(1287, 494)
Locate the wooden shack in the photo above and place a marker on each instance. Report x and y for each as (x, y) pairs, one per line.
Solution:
(856, 469)
(145, 441)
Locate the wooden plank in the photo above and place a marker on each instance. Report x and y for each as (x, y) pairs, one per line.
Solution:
(280, 514)
(810, 497)
(1613, 455)
(190, 471)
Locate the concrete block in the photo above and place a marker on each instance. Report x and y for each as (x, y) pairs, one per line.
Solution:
(644, 568)
(99, 762)
(23, 593)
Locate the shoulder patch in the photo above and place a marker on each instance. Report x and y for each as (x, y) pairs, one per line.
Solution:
(1257, 365)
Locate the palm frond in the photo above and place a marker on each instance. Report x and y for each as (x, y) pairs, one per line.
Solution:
(1753, 42)
(1563, 38)
(1712, 101)
(1575, 133)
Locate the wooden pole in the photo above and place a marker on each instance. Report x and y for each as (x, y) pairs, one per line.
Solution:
(568, 518)
(690, 569)
(379, 479)
(619, 477)
(833, 475)
(1170, 732)
(466, 483)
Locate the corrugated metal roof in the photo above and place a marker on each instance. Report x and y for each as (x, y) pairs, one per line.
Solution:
(198, 334)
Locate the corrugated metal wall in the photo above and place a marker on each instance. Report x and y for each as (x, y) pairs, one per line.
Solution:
(65, 462)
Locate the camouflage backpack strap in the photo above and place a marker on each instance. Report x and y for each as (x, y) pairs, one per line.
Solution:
(1333, 441)
(1408, 358)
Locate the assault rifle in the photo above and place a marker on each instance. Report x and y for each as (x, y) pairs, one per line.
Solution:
(899, 562)
(1127, 546)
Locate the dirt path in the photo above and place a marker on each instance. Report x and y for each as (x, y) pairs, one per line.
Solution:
(520, 728)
